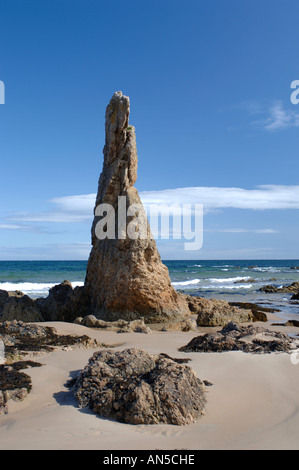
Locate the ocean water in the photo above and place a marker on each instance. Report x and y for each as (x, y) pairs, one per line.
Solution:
(238, 280)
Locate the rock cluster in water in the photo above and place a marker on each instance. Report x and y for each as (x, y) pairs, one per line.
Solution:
(271, 289)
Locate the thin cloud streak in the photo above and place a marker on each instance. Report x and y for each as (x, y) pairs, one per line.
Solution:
(243, 230)
(278, 118)
(266, 197)
(79, 208)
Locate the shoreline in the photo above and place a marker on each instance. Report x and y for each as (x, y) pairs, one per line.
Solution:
(252, 403)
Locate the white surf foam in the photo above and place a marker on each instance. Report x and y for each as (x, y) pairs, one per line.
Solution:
(190, 282)
(32, 287)
(227, 280)
(228, 286)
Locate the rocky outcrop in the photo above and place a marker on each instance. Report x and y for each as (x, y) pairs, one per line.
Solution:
(125, 276)
(212, 312)
(271, 289)
(120, 326)
(135, 387)
(63, 303)
(252, 339)
(185, 325)
(18, 306)
(259, 313)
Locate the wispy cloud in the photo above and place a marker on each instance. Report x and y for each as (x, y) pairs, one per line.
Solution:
(277, 117)
(51, 251)
(265, 197)
(22, 227)
(79, 208)
(243, 230)
(68, 209)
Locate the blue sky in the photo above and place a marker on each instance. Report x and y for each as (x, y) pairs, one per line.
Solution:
(209, 85)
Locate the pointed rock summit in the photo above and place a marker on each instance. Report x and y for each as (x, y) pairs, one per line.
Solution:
(125, 275)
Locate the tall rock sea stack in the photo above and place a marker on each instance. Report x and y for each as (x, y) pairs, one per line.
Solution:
(125, 275)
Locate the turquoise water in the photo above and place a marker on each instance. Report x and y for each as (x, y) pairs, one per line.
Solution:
(217, 279)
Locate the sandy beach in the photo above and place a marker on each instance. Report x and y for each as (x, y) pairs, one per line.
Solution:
(252, 404)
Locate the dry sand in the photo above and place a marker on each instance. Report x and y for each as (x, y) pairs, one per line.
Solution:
(253, 403)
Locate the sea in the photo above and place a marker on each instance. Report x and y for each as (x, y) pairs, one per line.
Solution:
(234, 281)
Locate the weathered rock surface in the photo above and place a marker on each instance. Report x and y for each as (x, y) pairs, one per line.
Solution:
(120, 326)
(232, 337)
(185, 325)
(63, 303)
(258, 312)
(18, 306)
(271, 289)
(6, 295)
(295, 296)
(212, 312)
(126, 278)
(135, 387)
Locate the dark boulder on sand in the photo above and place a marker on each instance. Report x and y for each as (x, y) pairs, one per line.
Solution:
(63, 303)
(133, 386)
(249, 339)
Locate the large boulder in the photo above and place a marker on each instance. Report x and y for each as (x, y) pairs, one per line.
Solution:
(63, 303)
(125, 277)
(18, 306)
(259, 313)
(133, 386)
(212, 312)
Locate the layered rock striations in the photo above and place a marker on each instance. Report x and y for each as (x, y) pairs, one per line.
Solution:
(125, 275)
